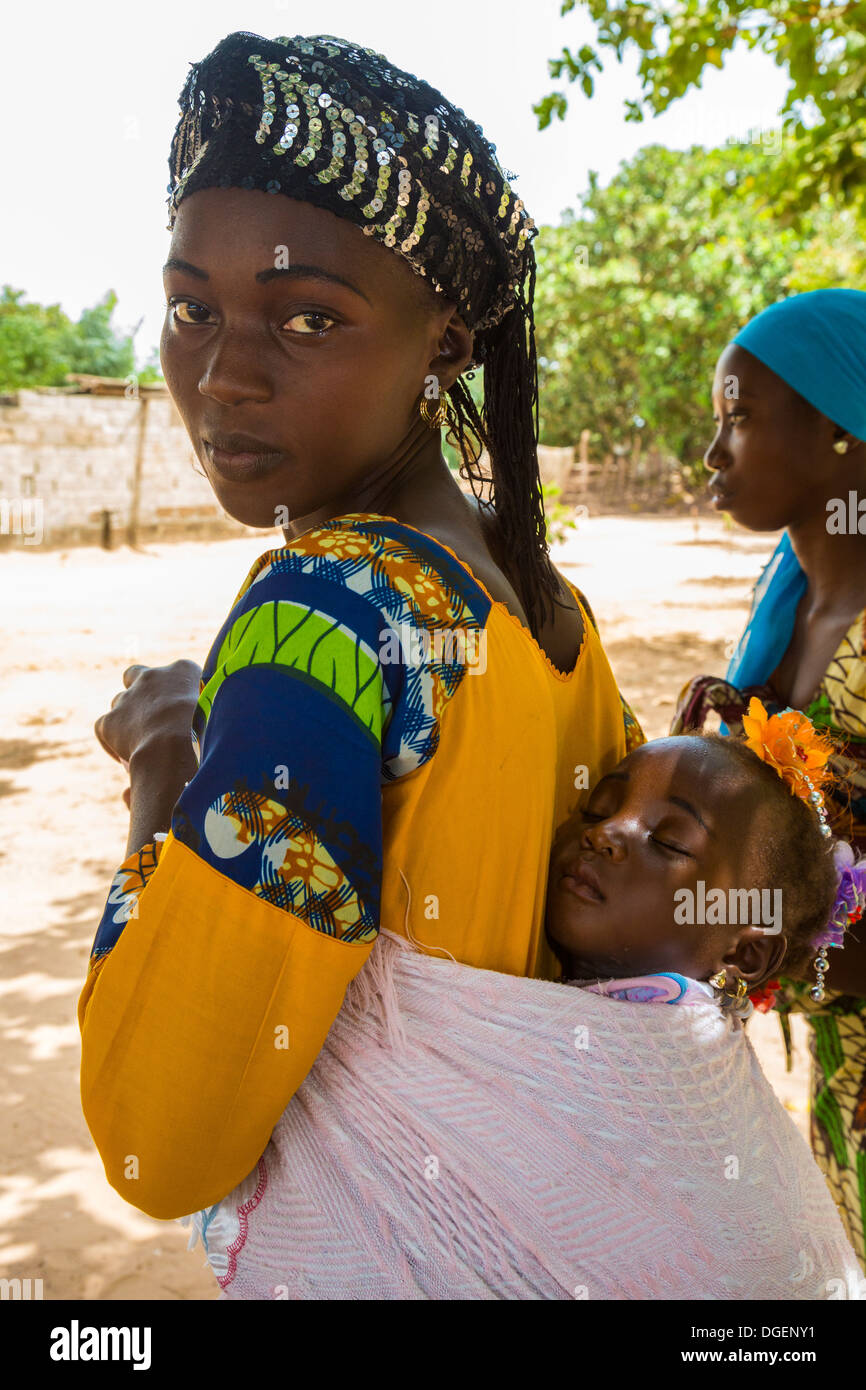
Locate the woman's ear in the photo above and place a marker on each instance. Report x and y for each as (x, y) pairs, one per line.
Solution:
(757, 954)
(455, 351)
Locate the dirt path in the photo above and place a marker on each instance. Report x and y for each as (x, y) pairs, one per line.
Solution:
(666, 600)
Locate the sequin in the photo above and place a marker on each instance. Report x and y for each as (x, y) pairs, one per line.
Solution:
(440, 239)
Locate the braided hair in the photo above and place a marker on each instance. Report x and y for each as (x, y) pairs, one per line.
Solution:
(336, 125)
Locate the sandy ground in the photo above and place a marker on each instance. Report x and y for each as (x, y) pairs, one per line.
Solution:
(669, 596)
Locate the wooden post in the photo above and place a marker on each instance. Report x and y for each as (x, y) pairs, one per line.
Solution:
(583, 463)
(135, 497)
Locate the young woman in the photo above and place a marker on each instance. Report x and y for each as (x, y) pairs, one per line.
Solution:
(790, 451)
(406, 698)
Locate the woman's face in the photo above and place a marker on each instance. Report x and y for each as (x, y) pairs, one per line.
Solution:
(673, 812)
(287, 325)
(772, 455)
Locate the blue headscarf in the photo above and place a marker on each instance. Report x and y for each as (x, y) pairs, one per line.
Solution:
(816, 342)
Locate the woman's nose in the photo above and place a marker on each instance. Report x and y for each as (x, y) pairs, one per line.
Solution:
(234, 374)
(714, 457)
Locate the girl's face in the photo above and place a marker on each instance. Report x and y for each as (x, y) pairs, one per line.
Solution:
(672, 813)
(287, 325)
(772, 455)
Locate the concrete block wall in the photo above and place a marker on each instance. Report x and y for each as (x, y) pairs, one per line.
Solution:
(69, 458)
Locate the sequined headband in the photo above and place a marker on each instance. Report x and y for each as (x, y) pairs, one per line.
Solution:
(327, 122)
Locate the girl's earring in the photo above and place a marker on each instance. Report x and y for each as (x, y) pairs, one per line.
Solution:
(841, 446)
(720, 981)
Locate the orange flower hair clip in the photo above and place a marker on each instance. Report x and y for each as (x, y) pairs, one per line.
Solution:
(792, 746)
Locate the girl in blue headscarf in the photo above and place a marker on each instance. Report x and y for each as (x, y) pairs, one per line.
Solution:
(789, 402)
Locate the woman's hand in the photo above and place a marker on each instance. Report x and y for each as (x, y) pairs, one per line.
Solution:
(155, 708)
(147, 730)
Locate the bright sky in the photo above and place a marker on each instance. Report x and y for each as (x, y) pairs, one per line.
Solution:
(88, 104)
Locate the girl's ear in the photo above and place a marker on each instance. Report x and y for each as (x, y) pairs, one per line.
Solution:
(757, 954)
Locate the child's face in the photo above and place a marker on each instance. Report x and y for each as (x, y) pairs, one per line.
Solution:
(675, 811)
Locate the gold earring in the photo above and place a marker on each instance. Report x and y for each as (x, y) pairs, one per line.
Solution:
(841, 446)
(720, 981)
(438, 419)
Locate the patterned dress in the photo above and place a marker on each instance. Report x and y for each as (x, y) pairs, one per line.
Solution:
(379, 744)
(837, 1035)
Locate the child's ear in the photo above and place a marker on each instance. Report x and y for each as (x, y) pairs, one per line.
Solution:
(757, 955)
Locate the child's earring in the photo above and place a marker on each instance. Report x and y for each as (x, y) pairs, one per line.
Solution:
(841, 446)
(720, 981)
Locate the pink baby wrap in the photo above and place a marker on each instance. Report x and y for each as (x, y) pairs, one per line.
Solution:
(470, 1135)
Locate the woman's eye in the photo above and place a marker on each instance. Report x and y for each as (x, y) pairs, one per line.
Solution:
(591, 815)
(187, 307)
(312, 321)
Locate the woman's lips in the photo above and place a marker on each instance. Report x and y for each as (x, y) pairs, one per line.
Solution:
(244, 466)
(719, 495)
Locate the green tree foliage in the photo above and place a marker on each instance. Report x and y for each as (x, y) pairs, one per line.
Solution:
(822, 47)
(639, 292)
(39, 343)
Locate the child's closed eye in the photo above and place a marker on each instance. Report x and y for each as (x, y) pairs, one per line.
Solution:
(660, 844)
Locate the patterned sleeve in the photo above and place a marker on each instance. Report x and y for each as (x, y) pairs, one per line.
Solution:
(226, 947)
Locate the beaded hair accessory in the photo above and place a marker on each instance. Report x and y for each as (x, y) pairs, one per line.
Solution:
(330, 123)
(791, 745)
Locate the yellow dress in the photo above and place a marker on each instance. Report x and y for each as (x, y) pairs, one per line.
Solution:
(380, 744)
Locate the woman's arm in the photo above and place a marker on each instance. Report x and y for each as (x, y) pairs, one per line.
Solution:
(225, 949)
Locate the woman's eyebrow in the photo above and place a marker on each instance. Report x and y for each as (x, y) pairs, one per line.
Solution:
(297, 272)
